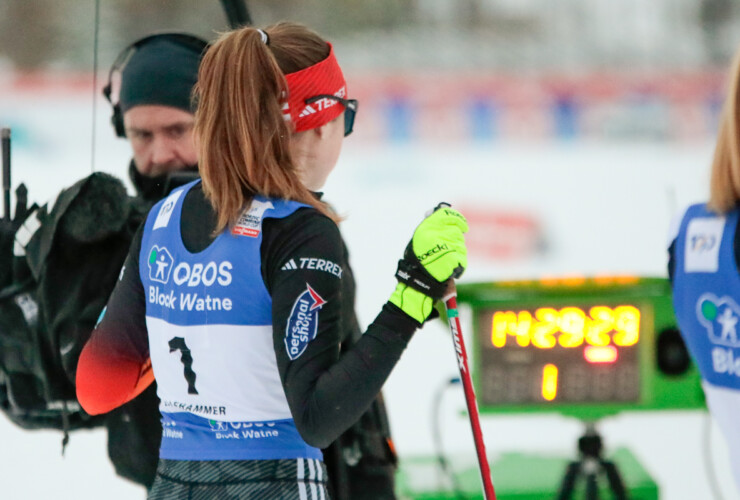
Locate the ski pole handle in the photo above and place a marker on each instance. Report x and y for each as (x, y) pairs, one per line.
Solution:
(450, 300)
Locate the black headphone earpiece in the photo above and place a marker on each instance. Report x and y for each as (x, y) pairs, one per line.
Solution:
(116, 118)
(191, 42)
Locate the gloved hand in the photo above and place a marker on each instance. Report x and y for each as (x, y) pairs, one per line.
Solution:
(435, 254)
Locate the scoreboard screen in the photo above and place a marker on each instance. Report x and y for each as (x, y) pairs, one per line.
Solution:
(590, 347)
(573, 353)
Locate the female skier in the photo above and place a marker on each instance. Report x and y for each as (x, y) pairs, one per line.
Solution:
(232, 293)
(703, 266)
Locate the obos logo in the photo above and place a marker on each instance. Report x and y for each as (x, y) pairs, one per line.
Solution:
(303, 322)
(160, 264)
(720, 317)
(218, 426)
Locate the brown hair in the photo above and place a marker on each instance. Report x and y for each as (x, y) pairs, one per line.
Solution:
(243, 138)
(724, 185)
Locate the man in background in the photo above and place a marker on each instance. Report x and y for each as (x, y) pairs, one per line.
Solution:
(155, 113)
(60, 261)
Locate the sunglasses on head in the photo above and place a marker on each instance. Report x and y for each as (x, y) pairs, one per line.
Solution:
(350, 109)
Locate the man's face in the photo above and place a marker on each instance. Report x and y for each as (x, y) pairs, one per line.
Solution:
(161, 138)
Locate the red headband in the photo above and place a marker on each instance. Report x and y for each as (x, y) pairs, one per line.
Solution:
(324, 77)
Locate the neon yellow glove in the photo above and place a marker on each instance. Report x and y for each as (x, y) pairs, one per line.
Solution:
(435, 254)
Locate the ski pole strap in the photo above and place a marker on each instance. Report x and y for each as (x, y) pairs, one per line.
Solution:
(414, 275)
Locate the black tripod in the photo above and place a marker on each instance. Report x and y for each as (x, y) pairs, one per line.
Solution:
(590, 465)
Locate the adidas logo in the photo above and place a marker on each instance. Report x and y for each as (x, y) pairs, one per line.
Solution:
(308, 110)
(289, 266)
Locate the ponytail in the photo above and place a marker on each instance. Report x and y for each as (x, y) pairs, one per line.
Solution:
(243, 137)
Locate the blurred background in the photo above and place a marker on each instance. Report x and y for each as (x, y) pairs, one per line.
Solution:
(570, 133)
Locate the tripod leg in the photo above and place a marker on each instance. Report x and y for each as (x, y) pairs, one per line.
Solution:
(569, 481)
(615, 480)
(592, 486)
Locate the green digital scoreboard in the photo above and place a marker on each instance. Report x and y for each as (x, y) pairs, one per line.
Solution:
(585, 347)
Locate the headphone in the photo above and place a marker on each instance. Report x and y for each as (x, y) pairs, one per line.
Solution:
(190, 42)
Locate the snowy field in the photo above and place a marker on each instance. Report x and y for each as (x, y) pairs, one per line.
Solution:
(598, 208)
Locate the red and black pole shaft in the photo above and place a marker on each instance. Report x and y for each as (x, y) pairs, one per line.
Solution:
(450, 301)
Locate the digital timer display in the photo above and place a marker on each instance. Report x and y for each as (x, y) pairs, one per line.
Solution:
(571, 354)
(547, 327)
(586, 347)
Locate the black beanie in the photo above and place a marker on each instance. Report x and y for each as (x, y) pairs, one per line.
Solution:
(160, 72)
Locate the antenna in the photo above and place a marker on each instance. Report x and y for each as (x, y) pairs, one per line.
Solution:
(237, 13)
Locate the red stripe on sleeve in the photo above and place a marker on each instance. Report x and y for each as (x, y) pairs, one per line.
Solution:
(106, 381)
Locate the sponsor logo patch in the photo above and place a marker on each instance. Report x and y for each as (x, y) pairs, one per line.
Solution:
(165, 211)
(720, 318)
(243, 430)
(314, 263)
(160, 264)
(432, 252)
(250, 222)
(170, 430)
(195, 277)
(322, 104)
(219, 426)
(289, 266)
(303, 322)
(162, 267)
(703, 238)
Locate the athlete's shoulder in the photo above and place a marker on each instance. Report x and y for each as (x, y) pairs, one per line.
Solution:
(304, 227)
(305, 234)
(309, 220)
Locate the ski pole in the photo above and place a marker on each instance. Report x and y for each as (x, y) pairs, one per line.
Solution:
(5, 138)
(450, 301)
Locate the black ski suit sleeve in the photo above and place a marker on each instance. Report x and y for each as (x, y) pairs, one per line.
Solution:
(326, 393)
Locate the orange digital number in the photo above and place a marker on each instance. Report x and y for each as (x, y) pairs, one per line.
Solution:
(543, 333)
(572, 326)
(500, 327)
(627, 325)
(602, 323)
(507, 323)
(549, 382)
